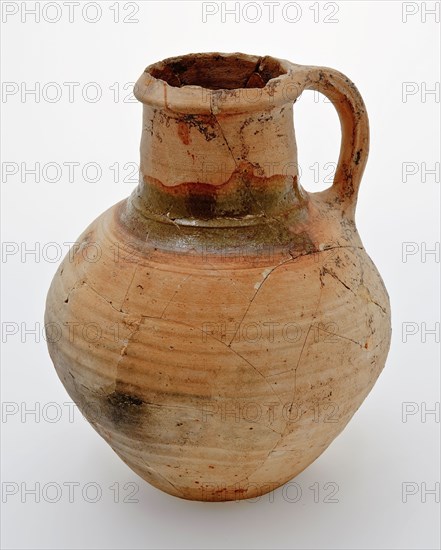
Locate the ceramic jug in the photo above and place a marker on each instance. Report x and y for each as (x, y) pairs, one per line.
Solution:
(229, 323)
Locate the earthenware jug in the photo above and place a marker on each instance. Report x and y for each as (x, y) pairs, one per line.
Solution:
(220, 326)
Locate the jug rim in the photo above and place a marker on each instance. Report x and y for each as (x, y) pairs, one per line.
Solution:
(214, 82)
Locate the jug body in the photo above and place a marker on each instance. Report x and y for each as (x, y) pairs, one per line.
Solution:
(238, 321)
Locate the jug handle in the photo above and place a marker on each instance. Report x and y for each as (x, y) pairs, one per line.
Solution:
(354, 122)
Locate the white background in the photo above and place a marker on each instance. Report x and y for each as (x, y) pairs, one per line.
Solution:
(381, 50)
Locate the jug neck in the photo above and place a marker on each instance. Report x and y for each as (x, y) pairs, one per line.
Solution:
(179, 148)
(217, 152)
